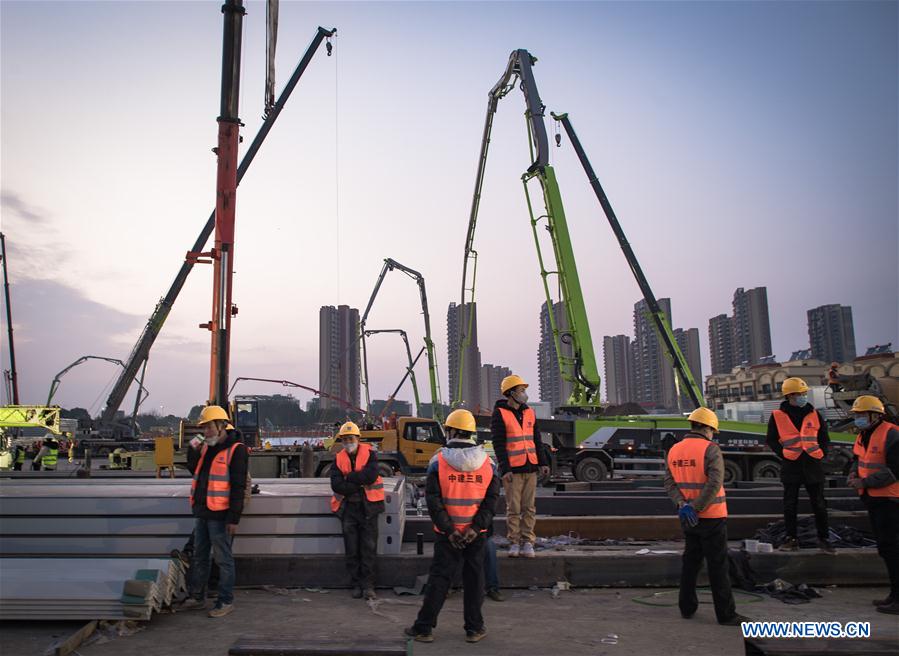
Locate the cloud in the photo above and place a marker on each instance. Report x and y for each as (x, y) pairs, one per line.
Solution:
(12, 202)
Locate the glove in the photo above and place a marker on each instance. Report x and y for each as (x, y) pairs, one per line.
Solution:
(470, 535)
(457, 540)
(688, 516)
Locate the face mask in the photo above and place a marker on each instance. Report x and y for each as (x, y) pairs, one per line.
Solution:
(212, 441)
(521, 398)
(800, 401)
(351, 447)
(862, 423)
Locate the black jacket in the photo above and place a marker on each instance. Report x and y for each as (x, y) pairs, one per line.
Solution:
(482, 520)
(350, 486)
(237, 471)
(804, 468)
(498, 433)
(885, 477)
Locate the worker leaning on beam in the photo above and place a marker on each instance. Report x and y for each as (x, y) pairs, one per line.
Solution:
(519, 456)
(358, 500)
(48, 456)
(694, 479)
(461, 490)
(798, 435)
(217, 495)
(875, 474)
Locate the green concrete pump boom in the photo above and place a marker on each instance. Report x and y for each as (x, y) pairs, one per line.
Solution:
(663, 326)
(391, 265)
(410, 370)
(580, 369)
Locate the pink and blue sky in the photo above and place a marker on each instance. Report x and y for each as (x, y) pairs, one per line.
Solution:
(741, 144)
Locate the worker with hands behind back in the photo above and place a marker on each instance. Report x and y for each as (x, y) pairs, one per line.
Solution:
(217, 494)
(694, 479)
(516, 438)
(358, 500)
(875, 474)
(461, 490)
(798, 435)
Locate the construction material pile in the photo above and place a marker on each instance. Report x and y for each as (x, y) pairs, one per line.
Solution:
(88, 588)
(150, 518)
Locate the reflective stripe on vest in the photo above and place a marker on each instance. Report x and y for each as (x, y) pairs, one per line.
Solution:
(686, 462)
(373, 492)
(463, 492)
(520, 447)
(874, 459)
(794, 441)
(49, 460)
(218, 487)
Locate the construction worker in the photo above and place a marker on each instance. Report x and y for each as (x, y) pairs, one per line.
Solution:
(358, 500)
(19, 459)
(875, 474)
(797, 433)
(461, 490)
(48, 456)
(694, 479)
(217, 494)
(515, 437)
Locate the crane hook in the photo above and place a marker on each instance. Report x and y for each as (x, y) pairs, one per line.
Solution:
(329, 47)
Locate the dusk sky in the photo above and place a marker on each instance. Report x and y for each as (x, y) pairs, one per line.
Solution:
(741, 144)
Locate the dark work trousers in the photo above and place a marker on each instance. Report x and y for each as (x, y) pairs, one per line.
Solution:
(706, 541)
(443, 567)
(791, 506)
(360, 542)
(884, 516)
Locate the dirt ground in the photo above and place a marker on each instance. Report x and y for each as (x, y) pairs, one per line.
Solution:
(587, 621)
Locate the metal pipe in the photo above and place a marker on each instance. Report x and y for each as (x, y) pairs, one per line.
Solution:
(13, 376)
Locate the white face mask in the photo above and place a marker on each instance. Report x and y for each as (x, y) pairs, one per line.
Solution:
(521, 398)
(212, 441)
(350, 447)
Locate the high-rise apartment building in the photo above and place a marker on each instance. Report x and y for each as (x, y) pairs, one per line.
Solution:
(831, 335)
(653, 373)
(457, 325)
(491, 377)
(339, 359)
(688, 342)
(721, 344)
(751, 327)
(619, 369)
(553, 388)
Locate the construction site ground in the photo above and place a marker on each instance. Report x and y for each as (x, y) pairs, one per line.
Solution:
(580, 621)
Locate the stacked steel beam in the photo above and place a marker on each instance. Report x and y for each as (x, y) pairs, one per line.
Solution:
(129, 518)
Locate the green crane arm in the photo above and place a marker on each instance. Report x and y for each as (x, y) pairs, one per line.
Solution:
(390, 265)
(580, 369)
(410, 370)
(663, 326)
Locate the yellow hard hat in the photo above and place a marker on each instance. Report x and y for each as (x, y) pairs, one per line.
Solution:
(705, 417)
(793, 386)
(213, 413)
(868, 403)
(349, 428)
(511, 381)
(461, 420)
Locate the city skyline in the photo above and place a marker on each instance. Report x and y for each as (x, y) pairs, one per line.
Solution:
(710, 143)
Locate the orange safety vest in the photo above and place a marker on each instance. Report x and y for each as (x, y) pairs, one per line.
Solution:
(686, 462)
(463, 492)
(874, 460)
(794, 441)
(373, 492)
(520, 447)
(218, 487)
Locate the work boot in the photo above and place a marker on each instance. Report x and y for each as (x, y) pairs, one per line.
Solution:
(369, 594)
(827, 547)
(791, 544)
(475, 636)
(736, 620)
(495, 594)
(527, 550)
(192, 603)
(883, 602)
(419, 636)
(514, 551)
(889, 609)
(357, 592)
(220, 610)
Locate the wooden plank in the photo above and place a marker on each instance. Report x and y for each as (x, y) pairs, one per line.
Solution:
(252, 645)
(68, 645)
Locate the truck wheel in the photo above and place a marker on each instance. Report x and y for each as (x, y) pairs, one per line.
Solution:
(732, 472)
(591, 470)
(325, 472)
(766, 470)
(385, 469)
